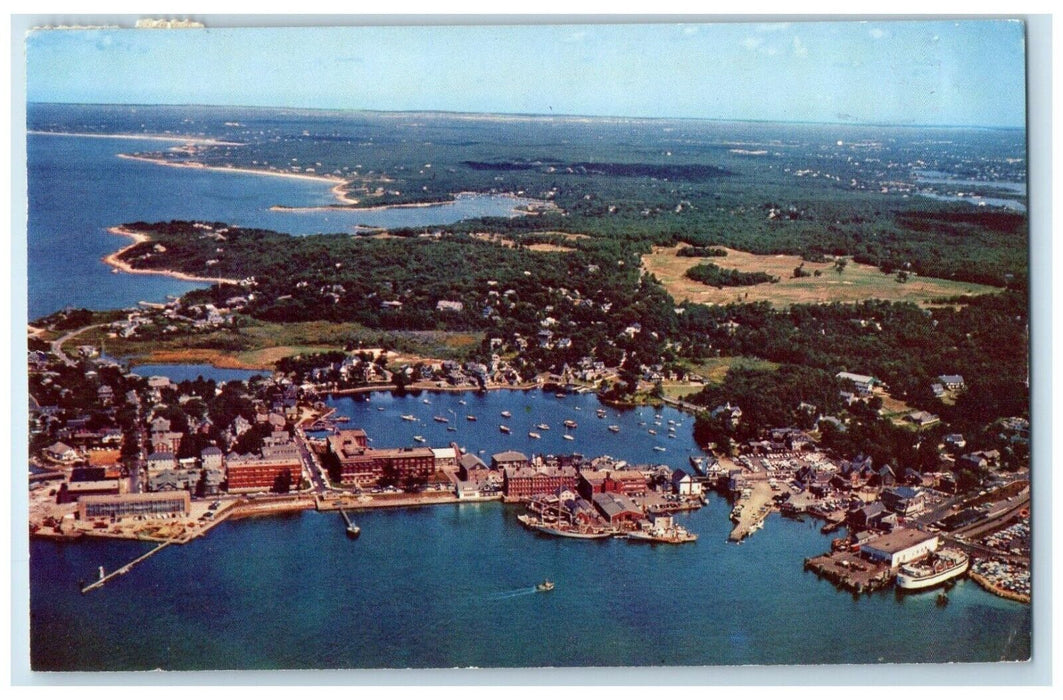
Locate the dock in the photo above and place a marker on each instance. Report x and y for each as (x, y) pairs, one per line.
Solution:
(847, 570)
(102, 581)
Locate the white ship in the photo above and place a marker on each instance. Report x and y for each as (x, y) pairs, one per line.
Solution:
(938, 568)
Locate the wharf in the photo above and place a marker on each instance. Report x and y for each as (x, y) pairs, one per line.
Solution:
(750, 511)
(847, 570)
(102, 581)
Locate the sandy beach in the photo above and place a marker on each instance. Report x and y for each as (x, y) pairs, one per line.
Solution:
(337, 190)
(145, 137)
(138, 237)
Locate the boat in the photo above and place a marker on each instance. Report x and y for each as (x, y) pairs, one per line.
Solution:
(585, 534)
(935, 569)
(543, 426)
(601, 412)
(409, 417)
(507, 414)
(461, 402)
(652, 431)
(419, 438)
(570, 423)
(451, 429)
(614, 428)
(534, 436)
(425, 401)
(545, 586)
(658, 448)
(440, 419)
(470, 417)
(568, 437)
(672, 535)
(504, 429)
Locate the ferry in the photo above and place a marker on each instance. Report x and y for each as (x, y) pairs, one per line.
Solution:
(504, 429)
(534, 436)
(419, 438)
(440, 419)
(470, 417)
(507, 414)
(937, 568)
(570, 423)
(409, 417)
(614, 428)
(545, 586)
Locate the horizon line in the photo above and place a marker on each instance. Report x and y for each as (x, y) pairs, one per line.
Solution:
(534, 115)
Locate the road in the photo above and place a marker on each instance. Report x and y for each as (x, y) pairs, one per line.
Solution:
(57, 344)
(311, 463)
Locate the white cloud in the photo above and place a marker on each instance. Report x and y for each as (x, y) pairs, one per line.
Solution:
(877, 33)
(800, 50)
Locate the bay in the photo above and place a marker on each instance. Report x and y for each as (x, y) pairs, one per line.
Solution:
(78, 187)
(453, 585)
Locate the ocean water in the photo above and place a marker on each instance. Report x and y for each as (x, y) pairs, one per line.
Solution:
(78, 187)
(453, 586)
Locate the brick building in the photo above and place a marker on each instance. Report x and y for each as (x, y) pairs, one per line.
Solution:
(522, 483)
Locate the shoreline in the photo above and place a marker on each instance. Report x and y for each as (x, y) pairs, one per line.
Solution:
(988, 586)
(410, 205)
(337, 189)
(198, 140)
(140, 237)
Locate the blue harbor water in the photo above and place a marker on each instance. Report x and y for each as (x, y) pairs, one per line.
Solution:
(180, 373)
(79, 187)
(453, 586)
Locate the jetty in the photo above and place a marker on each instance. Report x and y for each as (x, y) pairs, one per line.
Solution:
(104, 578)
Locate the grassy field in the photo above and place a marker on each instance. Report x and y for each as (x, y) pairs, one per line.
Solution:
(856, 283)
(714, 370)
(260, 344)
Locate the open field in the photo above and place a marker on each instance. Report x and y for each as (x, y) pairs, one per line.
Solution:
(714, 369)
(260, 344)
(856, 283)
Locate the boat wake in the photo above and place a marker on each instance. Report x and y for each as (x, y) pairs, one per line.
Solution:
(506, 595)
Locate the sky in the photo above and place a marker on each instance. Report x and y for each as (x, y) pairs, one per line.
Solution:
(955, 73)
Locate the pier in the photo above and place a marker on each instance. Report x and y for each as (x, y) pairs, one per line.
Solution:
(102, 581)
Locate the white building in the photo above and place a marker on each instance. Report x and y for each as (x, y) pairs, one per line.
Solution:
(900, 547)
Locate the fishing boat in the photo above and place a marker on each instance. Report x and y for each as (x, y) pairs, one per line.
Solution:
(614, 428)
(545, 586)
(534, 436)
(504, 429)
(672, 535)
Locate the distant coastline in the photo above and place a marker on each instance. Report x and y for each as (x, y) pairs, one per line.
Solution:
(138, 238)
(338, 183)
(145, 137)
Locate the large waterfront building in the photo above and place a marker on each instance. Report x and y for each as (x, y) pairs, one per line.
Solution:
(364, 466)
(900, 546)
(123, 505)
(247, 473)
(522, 483)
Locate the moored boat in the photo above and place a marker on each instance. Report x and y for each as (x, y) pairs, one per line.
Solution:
(440, 419)
(570, 423)
(534, 436)
(614, 428)
(419, 438)
(555, 531)
(935, 569)
(409, 417)
(504, 429)
(507, 414)
(470, 417)
(568, 437)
